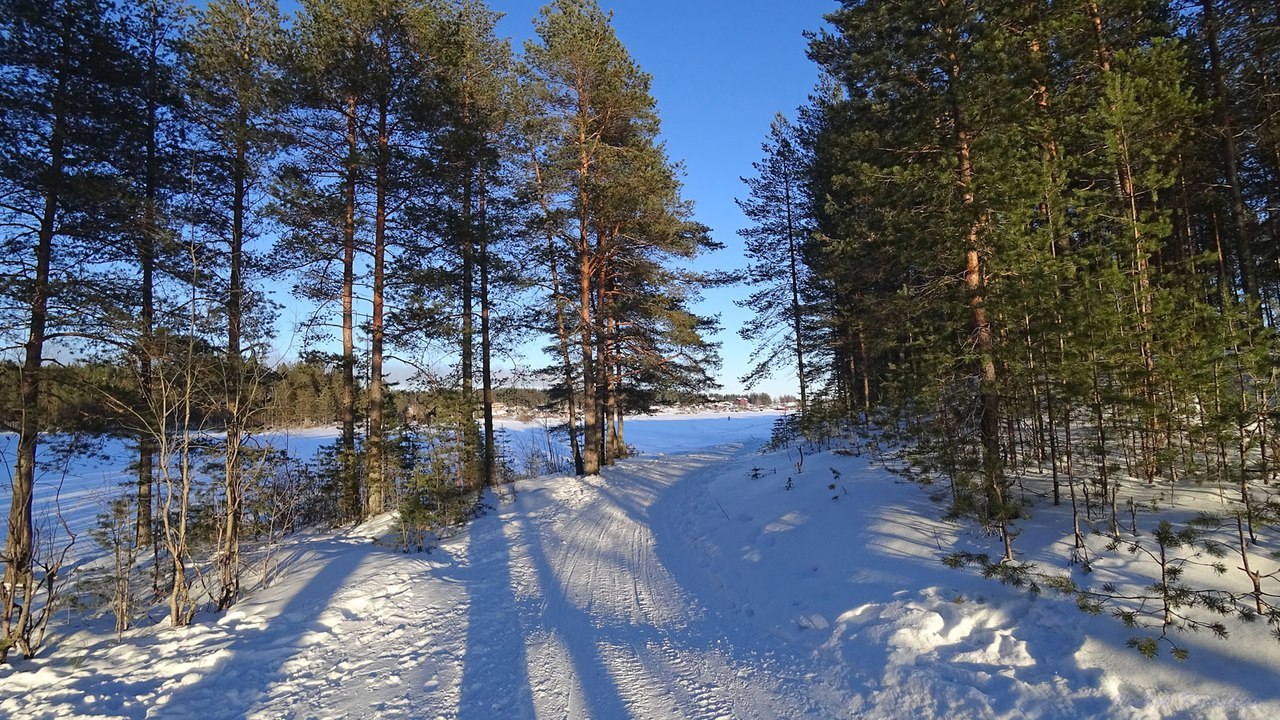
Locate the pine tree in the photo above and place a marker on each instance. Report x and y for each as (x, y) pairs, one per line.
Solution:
(617, 195)
(924, 74)
(64, 73)
(477, 81)
(780, 208)
(155, 168)
(337, 84)
(232, 60)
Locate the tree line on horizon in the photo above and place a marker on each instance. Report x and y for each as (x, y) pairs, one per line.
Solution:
(1034, 243)
(301, 394)
(425, 188)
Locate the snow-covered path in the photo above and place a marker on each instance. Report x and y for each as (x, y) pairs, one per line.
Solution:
(557, 605)
(694, 585)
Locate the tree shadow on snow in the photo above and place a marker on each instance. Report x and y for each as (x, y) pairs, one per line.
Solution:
(495, 673)
(254, 658)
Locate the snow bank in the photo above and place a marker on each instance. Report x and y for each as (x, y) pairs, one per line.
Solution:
(715, 583)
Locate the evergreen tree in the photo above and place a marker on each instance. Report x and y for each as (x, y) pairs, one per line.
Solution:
(232, 59)
(780, 208)
(616, 197)
(922, 75)
(63, 67)
(335, 68)
(476, 77)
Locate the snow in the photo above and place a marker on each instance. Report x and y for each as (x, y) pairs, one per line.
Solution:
(687, 582)
(78, 476)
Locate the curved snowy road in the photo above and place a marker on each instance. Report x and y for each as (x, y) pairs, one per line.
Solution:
(611, 631)
(709, 585)
(556, 604)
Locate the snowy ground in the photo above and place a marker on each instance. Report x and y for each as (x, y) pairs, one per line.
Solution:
(687, 585)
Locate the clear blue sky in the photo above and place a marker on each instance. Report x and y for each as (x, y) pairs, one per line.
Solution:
(721, 70)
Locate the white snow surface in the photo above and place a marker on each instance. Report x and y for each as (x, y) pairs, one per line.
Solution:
(690, 584)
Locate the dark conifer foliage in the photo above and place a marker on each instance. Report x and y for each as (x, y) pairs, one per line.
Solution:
(1048, 226)
(780, 208)
(65, 69)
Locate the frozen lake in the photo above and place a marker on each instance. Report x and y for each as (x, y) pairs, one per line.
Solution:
(78, 478)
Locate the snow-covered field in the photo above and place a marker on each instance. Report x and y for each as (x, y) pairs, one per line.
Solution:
(688, 582)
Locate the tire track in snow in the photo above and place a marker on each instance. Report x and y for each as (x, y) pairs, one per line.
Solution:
(604, 557)
(665, 652)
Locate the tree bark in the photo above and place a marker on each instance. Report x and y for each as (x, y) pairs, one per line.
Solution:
(490, 464)
(19, 542)
(562, 324)
(591, 435)
(591, 401)
(146, 349)
(793, 267)
(467, 349)
(377, 477)
(1231, 153)
(975, 287)
(229, 559)
(351, 480)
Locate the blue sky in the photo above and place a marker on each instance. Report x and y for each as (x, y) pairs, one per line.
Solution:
(721, 70)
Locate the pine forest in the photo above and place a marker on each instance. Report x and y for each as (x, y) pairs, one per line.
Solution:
(1025, 253)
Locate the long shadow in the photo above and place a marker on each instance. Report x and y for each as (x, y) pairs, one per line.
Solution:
(495, 647)
(674, 554)
(496, 681)
(708, 630)
(254, 662)
(580, 636)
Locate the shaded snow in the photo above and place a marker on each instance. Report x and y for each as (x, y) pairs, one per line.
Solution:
(685, 585)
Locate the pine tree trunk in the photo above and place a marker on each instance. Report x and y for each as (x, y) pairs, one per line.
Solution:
(351, 505)
(486, 344)
(148, 236)
(865, 364)
(605, 363)
(591, 431)
(19, 545)
(793, 267)
(619, 424)
(1230, 152)
(562, 326)
(571, 400)
(982, 334)
(613, 405)
(467, 340)
(229, 555)
(375, 502)
(19, 542)
(146, 374)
